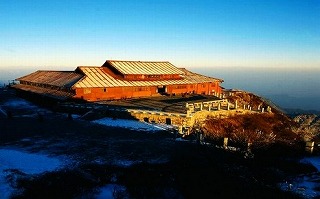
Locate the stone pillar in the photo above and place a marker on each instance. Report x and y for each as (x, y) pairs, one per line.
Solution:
(236, 104)
(175, 134)
(188, 113)
(200, 137)
(269, 109)
(225, 143)
(249, 147)
(180, 130)
(228, 106)
(209, 107)
(244, 107)
(201, 106)
(249, 153)
(309, 146)
(262, 110)
(219, 106)
(259, 107)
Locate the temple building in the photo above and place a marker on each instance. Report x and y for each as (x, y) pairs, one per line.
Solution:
(119, 80)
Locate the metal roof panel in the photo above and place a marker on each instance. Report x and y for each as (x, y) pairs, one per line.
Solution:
(53, 78)
(144, 68)
(98, 77)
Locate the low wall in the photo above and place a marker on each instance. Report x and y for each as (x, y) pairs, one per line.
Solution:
(159, 117)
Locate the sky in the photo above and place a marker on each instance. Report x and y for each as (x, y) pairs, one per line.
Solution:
(270, 47)
(63, 34)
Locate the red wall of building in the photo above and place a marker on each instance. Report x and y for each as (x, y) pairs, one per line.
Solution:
(96, 94)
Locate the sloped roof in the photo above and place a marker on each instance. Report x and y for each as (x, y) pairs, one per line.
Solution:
(195, 77)
(57, 94)
(143, 67)
(96, 77)
(54, 78)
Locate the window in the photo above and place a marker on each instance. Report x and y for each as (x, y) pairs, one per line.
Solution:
(86, 90)
(153, 76)
(104, 90)
(168, 121)
(141, 89)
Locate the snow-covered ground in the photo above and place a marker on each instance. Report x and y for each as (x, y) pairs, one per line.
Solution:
(22, 108)
(20, 103)
(111, 191)
(133, 124)
(2, 112)
(315, 161)
(307, 186)
(26, 163)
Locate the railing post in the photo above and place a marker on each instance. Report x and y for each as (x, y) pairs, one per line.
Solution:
(225, 143)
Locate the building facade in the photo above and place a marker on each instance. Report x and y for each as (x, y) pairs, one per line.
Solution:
(119, 80)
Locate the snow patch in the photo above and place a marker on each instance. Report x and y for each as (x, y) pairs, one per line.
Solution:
(5, 188)
(19, 103)
(75, 116)
(315, 161)
(111, 191)
(125, 163)
(181, 140)
(308, 185)
(24, 162)
(130, 124)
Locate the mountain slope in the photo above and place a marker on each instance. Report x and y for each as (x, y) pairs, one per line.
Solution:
(309, 126)
(259, 129)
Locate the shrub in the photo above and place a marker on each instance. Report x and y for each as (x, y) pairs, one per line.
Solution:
(260, 130)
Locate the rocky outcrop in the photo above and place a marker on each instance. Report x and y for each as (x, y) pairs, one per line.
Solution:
(259, 129)
(309, 126)
(246, 99)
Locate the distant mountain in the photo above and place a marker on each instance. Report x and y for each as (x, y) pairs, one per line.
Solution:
(309, 126)
(295, 112)
(270, 128)
(299, 104)
(284, 122)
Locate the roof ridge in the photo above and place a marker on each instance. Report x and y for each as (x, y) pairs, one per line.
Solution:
(138, 61)
(60, 71)
(90, 66)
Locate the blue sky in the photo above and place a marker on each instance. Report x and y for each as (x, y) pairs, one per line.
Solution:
(190, 33)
